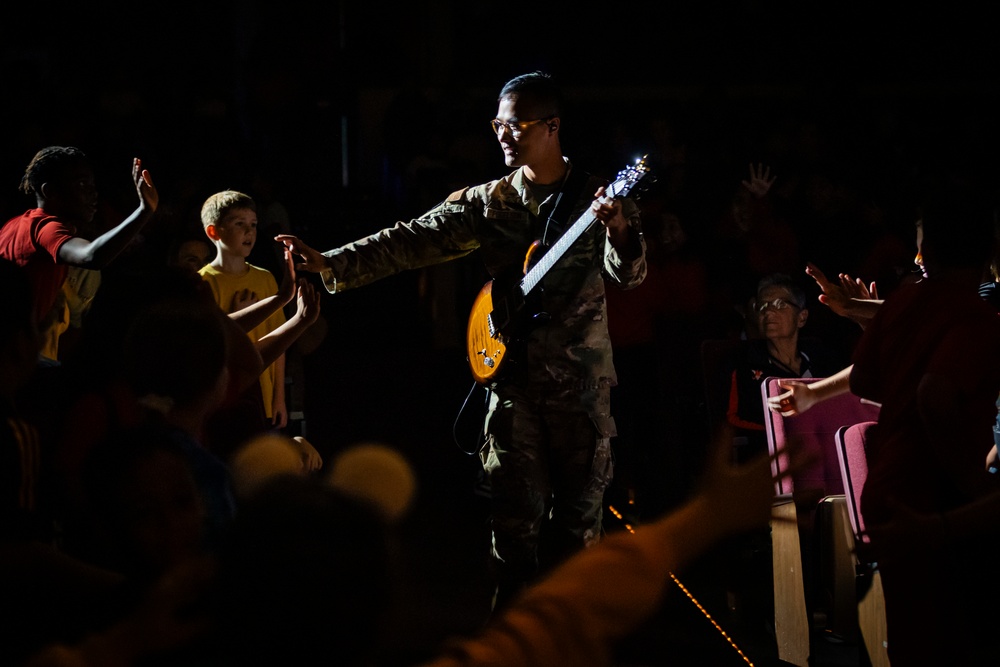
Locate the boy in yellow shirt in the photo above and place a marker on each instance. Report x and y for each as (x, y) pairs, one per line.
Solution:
(230, 221)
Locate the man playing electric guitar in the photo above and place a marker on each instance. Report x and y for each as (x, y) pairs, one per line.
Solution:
(549, 424)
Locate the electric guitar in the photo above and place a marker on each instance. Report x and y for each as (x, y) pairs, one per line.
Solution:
(496, 320)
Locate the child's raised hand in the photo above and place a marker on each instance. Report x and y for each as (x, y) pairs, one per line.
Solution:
(149, 198)
(286, 290)
(313, 260)
(760, 180)
(307, 305)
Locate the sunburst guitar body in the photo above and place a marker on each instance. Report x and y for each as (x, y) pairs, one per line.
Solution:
(496, 321)
(486, 348)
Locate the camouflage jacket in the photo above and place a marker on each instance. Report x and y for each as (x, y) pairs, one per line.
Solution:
(571, 350)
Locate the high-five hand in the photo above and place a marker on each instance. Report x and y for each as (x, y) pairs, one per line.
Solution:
(313, 260)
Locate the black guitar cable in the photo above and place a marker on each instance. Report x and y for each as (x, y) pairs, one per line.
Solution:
(458, 417)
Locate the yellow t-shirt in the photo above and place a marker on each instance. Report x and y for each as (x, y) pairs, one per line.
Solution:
(262, 283)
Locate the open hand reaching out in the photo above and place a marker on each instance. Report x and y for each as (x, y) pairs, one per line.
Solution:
(149, 198)
(760, 180)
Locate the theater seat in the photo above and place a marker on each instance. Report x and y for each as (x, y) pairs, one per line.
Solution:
(851, 442)
(813, 569)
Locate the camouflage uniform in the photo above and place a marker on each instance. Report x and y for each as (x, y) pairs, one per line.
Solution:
(549, 424)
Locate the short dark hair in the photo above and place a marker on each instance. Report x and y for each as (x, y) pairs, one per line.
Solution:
(217, 206)
(51, 165)
(539, 87)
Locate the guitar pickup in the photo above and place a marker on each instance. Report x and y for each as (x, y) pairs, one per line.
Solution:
(491, 325)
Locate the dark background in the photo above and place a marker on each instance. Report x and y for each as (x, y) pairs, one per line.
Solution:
(337, 94)
(360, 113)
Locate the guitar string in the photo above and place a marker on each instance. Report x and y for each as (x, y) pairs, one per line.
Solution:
(673, 577)
(628, 178)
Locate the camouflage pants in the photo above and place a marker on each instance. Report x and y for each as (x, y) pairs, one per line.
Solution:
(548, 468)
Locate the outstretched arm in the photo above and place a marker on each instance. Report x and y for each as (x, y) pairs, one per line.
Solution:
(600, 594)
(98, 253)
(800, 396)
(274, 344)
(259, 310)
(312, 259)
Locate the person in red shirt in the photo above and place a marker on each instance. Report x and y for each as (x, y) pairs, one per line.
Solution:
(46, 239)
(928, 356)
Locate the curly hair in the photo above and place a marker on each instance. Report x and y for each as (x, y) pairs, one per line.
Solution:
(51, 165)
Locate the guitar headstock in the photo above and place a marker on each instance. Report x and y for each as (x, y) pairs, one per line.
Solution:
(632, 178)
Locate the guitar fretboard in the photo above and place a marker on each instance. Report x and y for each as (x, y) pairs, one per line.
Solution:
(553, 254)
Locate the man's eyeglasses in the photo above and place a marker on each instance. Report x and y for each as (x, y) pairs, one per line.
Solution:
(776, 304)
(516, 128)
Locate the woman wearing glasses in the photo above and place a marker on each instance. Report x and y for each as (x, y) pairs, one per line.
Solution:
(780, 313)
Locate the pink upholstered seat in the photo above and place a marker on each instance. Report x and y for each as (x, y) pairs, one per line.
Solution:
(814, 430)
(797, 553)
(854, 469)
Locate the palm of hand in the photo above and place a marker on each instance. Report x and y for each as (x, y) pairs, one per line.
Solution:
(760, 181)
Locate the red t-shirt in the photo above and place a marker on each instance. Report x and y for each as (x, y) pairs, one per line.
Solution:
(32, 240)
(926, 328)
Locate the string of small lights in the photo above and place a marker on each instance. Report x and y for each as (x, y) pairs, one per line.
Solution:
(618, 515)
(710, 619)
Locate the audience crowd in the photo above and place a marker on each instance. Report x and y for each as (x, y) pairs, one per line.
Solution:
(138, 520)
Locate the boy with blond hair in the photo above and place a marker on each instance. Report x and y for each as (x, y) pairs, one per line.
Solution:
(230, 221)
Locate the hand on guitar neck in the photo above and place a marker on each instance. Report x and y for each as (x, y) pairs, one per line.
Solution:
(609, 211)
(495, 322)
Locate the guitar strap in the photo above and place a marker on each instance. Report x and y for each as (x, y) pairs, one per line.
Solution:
(566, 198)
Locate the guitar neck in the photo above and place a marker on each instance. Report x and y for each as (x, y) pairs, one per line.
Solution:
(620, 187)
(553, 254)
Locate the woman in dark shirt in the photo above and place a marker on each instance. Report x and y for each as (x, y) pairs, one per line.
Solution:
(781, 313)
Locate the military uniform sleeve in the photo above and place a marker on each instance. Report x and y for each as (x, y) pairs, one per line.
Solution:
(444, 233)
(627, 266)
